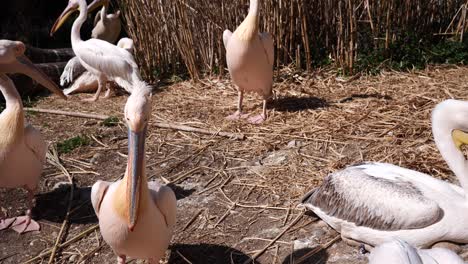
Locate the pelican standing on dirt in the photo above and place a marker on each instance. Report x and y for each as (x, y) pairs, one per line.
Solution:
(106, 27)
(22, 147)
(87, 82)
(377, 202)
(105, 60)
(136, 217)
(250, 57)
(400, 252)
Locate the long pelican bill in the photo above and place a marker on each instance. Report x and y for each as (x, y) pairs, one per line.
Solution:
(95, 4)
(136, 152)
(63, 17)
(460, 138)
(25, 66)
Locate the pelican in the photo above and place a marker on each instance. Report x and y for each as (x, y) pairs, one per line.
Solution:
(87, 82)
(103, 59)
(250, 57)
(22, 147)
(376, 202)
(400, 252)
(136, 217)
(106, 27)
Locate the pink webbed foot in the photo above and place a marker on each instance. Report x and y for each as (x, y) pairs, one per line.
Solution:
(236, 116)
(6, 223)
(108, 94)
(257, 119)
(25, 224)
(92, 99)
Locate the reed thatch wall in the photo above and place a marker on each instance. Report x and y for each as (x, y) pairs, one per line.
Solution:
(174, 36)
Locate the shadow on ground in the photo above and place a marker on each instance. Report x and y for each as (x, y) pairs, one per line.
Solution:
(52, 206)
(365, 96)
(296, 104)
(206, 253)
(307, 256)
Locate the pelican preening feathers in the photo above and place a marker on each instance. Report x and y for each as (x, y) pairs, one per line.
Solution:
(375, 202)
(103, 59)
(136, 217)
(250, 58)
(20, 143)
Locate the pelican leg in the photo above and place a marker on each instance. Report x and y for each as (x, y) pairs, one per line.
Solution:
(121, 259)
(102, 80)
(110, 87)
(25, 223)
(238, 114)
(262, 117)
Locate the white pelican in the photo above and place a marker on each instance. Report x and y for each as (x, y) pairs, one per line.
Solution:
(400, 252)
(88, 82)
(106, 27)
(250, 58)
(377, 202)
(105, 60)
(136, 217)
(22, 147)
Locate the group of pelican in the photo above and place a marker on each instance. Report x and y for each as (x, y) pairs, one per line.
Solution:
(394, 210)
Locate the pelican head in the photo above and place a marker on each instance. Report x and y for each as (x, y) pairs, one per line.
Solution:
(137, 113)
(13, 60)
(73, 6)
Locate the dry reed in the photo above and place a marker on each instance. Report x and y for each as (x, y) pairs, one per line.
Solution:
(186, 35)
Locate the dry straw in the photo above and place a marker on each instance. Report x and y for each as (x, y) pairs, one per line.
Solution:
(174, 36)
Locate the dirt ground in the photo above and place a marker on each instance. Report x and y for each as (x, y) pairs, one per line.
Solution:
(235, 196)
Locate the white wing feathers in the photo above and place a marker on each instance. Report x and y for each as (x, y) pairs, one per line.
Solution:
(165, 199)
(71, 70)
(98, 191)
(226, 37)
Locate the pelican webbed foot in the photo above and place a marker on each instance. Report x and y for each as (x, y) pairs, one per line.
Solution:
(236, 116)
(6, 223)
(258, 119)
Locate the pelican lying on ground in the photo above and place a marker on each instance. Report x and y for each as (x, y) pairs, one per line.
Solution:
(88, 82)
(377, 202)
(22, 147)
(106, 27)
(400, 252)
(105, 60)
(250, 57)
(136, 217)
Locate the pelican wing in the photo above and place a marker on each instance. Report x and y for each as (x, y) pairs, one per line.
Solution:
(165, 199)
(375, 195)
(98, 191)
(396, 251)
(71, 71)
(267, 41)
(107, 58)
(226, 37)
(35, 142)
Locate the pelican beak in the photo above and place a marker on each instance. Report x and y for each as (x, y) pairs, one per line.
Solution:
(25, 66)
(63, 17)
(95, 4)
(460, 138)
(135, 167)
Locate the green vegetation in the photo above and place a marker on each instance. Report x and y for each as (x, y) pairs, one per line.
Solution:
(72, 143)
(412, 53)
(111, 121)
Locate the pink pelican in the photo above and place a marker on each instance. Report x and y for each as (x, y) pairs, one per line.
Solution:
(136, 217)
(22, 147)
(374, 203)
(103, 59)
(250, 57)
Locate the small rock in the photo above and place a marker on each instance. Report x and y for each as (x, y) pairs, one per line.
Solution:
(303, 243)
(95, 159)
(276, 158)
(294, 144)
(72, 258)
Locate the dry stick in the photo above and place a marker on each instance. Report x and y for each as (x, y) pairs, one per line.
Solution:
(68, 242)
(157, 124)
(54, 160)
(258, 254)
(192, 219)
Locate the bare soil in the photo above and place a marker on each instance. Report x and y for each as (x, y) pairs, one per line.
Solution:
(235, 196)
